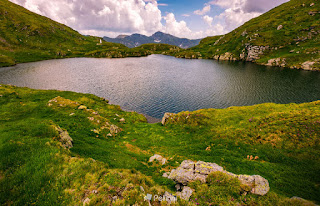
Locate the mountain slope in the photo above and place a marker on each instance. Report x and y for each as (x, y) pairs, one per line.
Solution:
(37, 167)
(26, 36)
(136, 40)
(287, 36)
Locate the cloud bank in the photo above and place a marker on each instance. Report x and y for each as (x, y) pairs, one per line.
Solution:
(114, 17)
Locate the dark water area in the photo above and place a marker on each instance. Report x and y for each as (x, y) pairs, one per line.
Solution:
(157, 84)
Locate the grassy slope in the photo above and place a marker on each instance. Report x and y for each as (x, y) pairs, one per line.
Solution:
(300, 35)
(26, 36)
(34, 169)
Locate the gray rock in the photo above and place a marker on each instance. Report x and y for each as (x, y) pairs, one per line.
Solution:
(279, 27)
(159, 158)
(167, 116)
(185, 193)
(114, 129)
(189, 171)
(64, 138)
(122, 120)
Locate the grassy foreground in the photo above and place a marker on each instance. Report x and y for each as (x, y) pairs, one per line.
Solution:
(35, 169)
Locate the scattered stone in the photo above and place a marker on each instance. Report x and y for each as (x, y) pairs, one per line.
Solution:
(141, 188)
(109, 135)
(312, 4)
(166, 117)
(189, 171)
(186, 193)
(159, 158)
(165, 175)
(277, 62)
(244, 33)
(94, 191)
(280, 27)
(115, 129)
(71, 114)
(86, 201)
(82, 107)
(291, 51)
(208, 148)
(308, 65)
(122, 120)
(64, 138)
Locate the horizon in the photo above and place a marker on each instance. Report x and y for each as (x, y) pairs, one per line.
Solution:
(180, 18)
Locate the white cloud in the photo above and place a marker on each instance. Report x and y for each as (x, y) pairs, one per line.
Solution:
(174, 27)
(205, 10)
(185, 15)
(208, 19)
(237, 12)
(98, 16)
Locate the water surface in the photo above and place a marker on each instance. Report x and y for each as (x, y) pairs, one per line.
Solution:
(157, 84)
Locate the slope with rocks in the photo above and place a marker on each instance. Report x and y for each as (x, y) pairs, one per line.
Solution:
(286, 36)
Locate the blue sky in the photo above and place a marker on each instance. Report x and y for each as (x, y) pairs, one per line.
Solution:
(182, 18)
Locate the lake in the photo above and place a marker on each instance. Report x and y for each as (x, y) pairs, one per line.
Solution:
(157, 84)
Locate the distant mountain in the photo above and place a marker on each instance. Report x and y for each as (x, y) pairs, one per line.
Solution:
(136, 40)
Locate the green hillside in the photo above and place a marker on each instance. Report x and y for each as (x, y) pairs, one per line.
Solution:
(287, 36)
(26, 36)
(38, 167)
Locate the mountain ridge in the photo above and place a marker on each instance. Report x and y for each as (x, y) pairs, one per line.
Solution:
(136, 40)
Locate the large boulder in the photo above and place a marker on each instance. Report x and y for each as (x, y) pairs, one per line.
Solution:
(189, 171)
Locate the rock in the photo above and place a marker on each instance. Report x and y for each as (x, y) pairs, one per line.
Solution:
(165, 175)
(302, 201)
(312, 4)
(114, 129)
(142, 189)
(244, 33)
(82, 107)
(166, 117)
(159, 158)
(277, 62)
(122, 120)
(179, 187)
(94, 191)
(86, 201)
(254, 52)
(189, 171)
(114, 198)
(307, 65)
(205, 168)
(280, 27)
(64, 138)
(185, 193)
(170, 198)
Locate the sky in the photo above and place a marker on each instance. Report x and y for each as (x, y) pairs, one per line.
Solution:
(191, 19)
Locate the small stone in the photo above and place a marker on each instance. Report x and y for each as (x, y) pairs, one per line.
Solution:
(122, 120)
(165, 175)
(94, 192)
(166, 117)
(86, 201)
(114, 198)
(312, 4)
(82, 107)
(141, 188)
(71, 114)
(159, 158)
(280, 27)
(115, 129)
(109, 135)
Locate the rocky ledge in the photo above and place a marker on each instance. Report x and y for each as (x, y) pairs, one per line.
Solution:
(190, 171)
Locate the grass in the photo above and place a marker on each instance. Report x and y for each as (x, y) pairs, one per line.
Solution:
(297, 42)
(36, 169)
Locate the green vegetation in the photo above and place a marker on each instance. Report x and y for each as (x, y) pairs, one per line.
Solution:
(26, 36)
(36, 169)
(288, 36)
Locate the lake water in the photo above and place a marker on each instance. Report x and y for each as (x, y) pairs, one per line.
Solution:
(157, 84)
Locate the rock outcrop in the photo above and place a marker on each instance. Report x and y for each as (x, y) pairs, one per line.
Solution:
(159, 158)
(166, 117)
(64, 137)
(190, 171)
(254, 52)
(186, 193)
